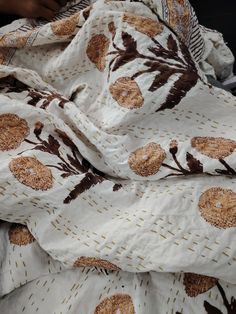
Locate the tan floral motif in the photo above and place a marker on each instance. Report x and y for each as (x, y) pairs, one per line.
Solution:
(94, 262)
(147, 160)
(31, 172)
(15, 39)
(197, 284)
(118, 303)
(97, 50)
(179, 18)
(66, 26)
(214, 147)
(144, 25)
(127, 93)
(20, 235)
(218, 207)
(13, 131)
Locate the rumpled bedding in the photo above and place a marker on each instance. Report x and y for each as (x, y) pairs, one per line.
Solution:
(118, 190)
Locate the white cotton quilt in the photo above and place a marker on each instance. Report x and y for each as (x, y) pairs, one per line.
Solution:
(117, 165)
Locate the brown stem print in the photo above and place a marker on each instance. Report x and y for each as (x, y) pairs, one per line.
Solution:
(194, 165)
(10, 84)
(216, 148)
(228, 170)
(230, 306)
(71, 165)
(165, 62)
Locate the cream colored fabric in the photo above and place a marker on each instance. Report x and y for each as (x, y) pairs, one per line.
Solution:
(118, 156)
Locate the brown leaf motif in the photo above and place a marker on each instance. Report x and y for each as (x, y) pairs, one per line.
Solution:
(97, 51)
(94, 262)
(20, 235)
(147, 160)
(11, 85)
(117, 187)
(214, 147)
(144, 25)
(85, 184)
(218, 207)
(13, 131)
(211, 309)
(31, 172)
(180, 88)
(66, 26)
(194, 165)
(229, 305)
(118, 303)
(197, 284)
(127, 93)
(167, 60)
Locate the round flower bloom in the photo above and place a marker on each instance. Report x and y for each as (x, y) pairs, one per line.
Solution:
(20, 235)
(13, 131)
(15, 39)
(214, 147)
(97, 51)
(118, 303)
(66, 26)
(94, 262)
(144, 25)
(127, 93)
(147, 160)
(197, 284)
(31, 172)
(218, 207)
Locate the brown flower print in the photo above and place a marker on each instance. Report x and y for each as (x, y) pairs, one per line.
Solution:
(127, 93)
(218, 207)
(214, 147)
(20, 235)
(66, 26)
(164, 61)
(31, 172)
(15, 39)
(144, 25)
(179, 18)
(94, 262)
(147, 160)
(197, 284)
(97, 51)
(13, 131)
(118, 303)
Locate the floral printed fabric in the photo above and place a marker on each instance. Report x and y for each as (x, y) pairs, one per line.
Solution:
(117, 168)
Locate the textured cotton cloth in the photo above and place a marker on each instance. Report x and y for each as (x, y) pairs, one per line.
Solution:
(117, 173)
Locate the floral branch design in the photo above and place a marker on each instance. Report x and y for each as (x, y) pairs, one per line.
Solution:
(72, 165)
(230, 306)
(12, 85)
(163, 61)
(197, 284)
